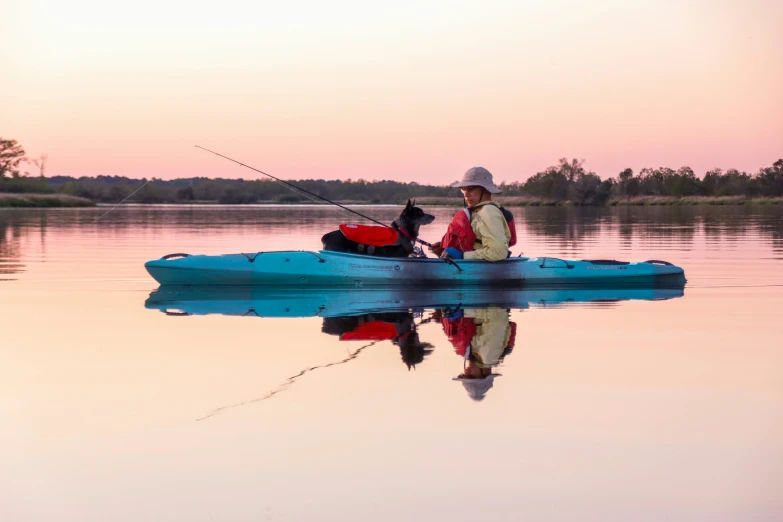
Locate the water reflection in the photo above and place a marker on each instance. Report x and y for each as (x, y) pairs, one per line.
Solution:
(341, 303)
(10, 249)
(97, 386)
(570, 225)
(397, 327)
(573, 227)
(483, 337)
(30, 237)
(475, 322)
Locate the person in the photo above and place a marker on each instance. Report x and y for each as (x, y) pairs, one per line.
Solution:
(480, 231)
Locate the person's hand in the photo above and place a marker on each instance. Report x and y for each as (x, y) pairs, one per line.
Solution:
(453, 315)
(452, 253)
(436, 248)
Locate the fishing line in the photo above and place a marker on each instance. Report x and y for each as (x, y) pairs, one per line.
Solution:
(121, 202)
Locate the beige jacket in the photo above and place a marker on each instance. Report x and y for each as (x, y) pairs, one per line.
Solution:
(490, 227)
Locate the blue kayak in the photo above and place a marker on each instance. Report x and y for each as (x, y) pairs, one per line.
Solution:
(337, 302)
(327, 269)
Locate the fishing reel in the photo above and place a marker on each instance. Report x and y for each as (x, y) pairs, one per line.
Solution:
(418, 252)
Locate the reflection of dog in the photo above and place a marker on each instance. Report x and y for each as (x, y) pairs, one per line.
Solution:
(407, 226)
(397, 327)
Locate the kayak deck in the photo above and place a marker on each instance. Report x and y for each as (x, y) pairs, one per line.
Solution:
(326, 268)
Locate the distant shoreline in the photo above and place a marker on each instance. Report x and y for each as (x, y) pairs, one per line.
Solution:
(14, 200)
(24, 200)
(516, 201)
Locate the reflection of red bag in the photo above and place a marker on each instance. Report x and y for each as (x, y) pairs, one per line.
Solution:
(370, 234)
(371, 331)
(460, 333)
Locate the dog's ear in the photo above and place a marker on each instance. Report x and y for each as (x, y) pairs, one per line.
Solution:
(408, 205)
(414, 202)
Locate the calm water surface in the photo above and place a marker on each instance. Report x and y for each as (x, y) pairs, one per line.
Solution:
(605, 406)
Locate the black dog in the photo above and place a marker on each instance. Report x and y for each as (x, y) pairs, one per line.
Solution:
(407, 225)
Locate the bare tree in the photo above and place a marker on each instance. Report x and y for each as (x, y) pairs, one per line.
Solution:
(40, 163)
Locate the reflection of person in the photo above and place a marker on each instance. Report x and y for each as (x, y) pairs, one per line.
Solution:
(483, 337)
(480, 231)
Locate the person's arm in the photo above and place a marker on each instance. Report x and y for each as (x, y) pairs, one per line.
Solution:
(490, 226)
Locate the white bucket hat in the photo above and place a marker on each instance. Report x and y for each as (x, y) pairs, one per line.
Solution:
(477, 388)
(477, 177)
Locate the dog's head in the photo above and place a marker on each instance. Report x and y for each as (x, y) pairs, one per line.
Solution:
(414, 351)
(412, 218)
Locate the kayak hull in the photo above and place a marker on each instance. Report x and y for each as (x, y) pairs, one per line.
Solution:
(326, 269)
(342, 302)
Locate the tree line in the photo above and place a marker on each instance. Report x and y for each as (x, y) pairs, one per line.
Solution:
(569, 180)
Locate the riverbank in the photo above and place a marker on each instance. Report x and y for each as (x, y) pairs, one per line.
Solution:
(61, 200)
(530, 201)
(693, 200)
(12, 200)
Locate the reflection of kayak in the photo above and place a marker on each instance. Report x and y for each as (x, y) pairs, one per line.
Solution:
(298, 302)
(305, 269)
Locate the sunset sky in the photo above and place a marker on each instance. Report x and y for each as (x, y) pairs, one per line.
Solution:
(416, 91)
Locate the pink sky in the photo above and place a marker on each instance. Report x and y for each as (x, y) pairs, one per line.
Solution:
(415, 91)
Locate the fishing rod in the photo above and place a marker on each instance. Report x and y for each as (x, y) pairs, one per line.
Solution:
(299, 189)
